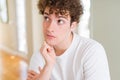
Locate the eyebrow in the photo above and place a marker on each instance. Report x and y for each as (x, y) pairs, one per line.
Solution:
(46, 13)
(63, 17)
(58, 16)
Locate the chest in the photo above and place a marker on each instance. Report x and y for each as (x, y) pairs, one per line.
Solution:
(67, 70)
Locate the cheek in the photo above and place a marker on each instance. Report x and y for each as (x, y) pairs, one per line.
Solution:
(62, 32)
(44, 26)
(44, 29)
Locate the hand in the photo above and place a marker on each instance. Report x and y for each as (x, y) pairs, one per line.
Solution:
(49, 54)
(50, 58)
(32, 75)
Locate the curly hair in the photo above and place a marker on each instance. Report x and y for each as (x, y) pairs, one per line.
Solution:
(74, 8)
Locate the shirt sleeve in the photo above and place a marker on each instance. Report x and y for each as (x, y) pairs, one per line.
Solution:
(96, 64)
(36, 61)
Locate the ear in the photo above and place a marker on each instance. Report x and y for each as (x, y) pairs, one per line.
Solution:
(73, 26)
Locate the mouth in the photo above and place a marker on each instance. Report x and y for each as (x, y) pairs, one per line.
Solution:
(50, 36)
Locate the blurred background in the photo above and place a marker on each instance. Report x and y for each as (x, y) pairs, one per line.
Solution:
(21, 33)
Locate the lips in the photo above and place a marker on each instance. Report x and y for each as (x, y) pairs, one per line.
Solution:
(50, 36)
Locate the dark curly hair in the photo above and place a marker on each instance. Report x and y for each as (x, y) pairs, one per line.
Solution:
(74, 7)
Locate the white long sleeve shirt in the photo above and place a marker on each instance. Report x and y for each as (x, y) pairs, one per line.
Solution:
(85, 59)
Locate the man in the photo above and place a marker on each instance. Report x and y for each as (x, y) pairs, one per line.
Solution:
(64, 55)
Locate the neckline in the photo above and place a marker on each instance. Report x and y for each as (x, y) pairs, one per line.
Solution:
(66, 53)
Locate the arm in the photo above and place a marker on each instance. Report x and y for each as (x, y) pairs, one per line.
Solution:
(96, 64)
(45, 73)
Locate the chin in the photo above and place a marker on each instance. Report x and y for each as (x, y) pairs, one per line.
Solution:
(51, 43)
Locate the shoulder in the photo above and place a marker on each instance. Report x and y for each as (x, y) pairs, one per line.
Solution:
(92, 60)
(89, 49)
(87, 43)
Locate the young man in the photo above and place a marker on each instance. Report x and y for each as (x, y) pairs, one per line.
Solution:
(65, 55)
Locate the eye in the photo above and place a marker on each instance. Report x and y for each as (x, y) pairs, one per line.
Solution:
(46, 18)
(60, 21)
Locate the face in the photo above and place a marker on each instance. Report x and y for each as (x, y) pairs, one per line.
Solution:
(56, 28)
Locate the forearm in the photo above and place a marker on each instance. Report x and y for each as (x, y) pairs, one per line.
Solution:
(46, 73)
(50, 58)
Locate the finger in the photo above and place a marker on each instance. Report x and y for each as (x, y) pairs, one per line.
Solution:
(43, 46)
(44, 49)
(40, 69)
(47, 52)
(32, 72)
(33, 77)
(52, 52)
(30, 76)
(48, 48)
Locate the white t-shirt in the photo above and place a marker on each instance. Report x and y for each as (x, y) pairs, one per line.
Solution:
(85, 59)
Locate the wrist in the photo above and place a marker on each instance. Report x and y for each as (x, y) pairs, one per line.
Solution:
(48, 67)
(46, 72)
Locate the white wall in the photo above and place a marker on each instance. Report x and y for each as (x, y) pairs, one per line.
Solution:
(36, 26)
(8, 31)
(105, 28)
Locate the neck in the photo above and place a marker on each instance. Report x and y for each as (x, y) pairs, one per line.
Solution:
(62, 47)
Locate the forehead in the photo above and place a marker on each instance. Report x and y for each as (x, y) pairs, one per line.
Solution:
(57, 12)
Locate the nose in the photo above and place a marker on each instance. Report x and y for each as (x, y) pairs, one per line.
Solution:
(50, 27)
